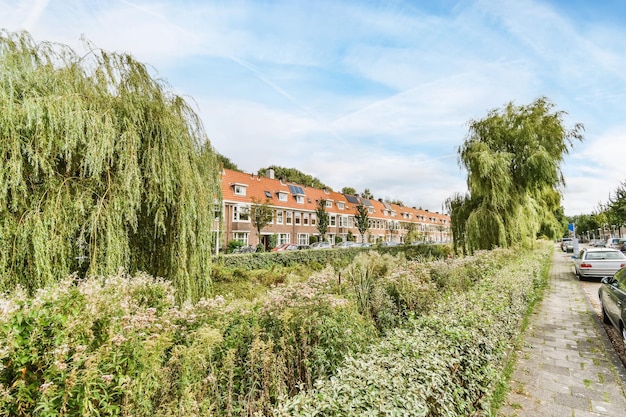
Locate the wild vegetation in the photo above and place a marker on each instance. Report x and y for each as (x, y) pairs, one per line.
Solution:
(103, 167)
(348, 341)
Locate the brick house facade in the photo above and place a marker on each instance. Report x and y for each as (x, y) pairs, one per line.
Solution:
(295, 220)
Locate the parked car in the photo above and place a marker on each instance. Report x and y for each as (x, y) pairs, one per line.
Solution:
(613, 242)
(389, 243)
(598, 262)
(612, 294)
(282, 247)
(365, 245)
(321, 245)
(567, 244)
(297, 247)
(346, 244)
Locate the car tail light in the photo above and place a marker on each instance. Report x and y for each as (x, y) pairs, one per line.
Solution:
(584, 265)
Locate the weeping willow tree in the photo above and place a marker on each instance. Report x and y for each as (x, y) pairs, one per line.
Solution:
(513, 159)
(103, 167)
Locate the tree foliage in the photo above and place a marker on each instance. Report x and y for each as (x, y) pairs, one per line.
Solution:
(295, 176)
(513, 159)
(225, 162)
(103, 167)
(261, 214)
(322, 218)
(362, 220)
(367, 194)
(348, 191)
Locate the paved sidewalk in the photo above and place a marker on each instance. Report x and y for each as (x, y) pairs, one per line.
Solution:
(567, 366)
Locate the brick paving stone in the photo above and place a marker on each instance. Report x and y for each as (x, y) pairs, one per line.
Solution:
(566, 366)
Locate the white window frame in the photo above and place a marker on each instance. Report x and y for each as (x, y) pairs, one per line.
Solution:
(313, 219)
(241, 213)
(288, 217)
(339, 205)
(329, 204)
(282, 196)
(303, 238)
(332, 220)
(239, 189)
(279, 216)
(282, 238)
(300, 199)
(305, 219)
(297, 219)
(241, 237)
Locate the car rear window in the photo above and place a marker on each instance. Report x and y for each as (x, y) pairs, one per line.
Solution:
(604, 255)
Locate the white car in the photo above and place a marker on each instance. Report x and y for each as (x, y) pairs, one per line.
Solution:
(598, 262)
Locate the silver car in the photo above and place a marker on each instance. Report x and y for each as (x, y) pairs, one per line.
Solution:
(598, 262)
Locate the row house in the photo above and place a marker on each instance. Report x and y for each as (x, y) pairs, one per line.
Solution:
(295, 220)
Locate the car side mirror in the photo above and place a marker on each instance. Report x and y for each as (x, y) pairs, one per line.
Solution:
(610, 281)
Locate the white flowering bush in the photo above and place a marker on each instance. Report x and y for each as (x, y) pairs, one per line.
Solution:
(444, 363)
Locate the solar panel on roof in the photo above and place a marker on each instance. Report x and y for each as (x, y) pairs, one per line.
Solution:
(352, 199)
(296, 189)
(366, 202)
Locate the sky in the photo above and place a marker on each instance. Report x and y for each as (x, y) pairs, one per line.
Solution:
(370, 94)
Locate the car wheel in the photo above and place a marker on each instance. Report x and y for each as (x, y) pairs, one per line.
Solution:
(605, 318)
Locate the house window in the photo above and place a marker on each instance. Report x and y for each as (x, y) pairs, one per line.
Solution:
(283, 238)
(343, 221)
(351, 222)
(239, 189)
(340, 205)
(241, 237)
(370, 209)
(313, 219)
(300, 199)
(305, 219)
(279, 217)
(241, 214)
(282, 196)
(289, 219)
(297, 218)
(329, 204)
(333, 220)
(303, 238)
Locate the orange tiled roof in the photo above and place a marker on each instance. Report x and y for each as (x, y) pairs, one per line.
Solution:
(256, 187)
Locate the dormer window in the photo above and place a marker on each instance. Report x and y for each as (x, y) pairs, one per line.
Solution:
(299, 199)
(340, 205)
(239, 189)
(329, 204)
(282, 196)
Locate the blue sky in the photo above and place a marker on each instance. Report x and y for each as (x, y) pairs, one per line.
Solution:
(370, 94)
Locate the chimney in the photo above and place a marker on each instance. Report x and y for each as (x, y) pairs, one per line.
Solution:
(270, 173)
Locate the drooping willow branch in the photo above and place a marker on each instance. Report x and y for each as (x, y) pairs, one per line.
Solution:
(102, 167)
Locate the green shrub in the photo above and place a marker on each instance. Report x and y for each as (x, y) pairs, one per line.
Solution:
(445, 363)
